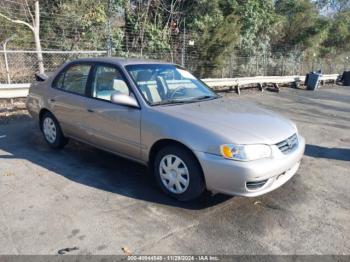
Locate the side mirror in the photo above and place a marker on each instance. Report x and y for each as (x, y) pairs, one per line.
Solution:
(123, 99)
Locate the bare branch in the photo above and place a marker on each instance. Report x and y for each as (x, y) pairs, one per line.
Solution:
(29, 11)
(16, 21)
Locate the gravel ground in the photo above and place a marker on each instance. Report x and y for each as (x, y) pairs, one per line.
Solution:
(12, 110)
(102, 204)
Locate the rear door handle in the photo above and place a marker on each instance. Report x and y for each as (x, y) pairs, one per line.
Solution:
(90, 110)
(52, 100)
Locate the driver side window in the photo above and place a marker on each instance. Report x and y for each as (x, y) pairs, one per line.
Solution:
(106, 81)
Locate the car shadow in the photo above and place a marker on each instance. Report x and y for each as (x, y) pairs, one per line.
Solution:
(327, 152)
(95, 168)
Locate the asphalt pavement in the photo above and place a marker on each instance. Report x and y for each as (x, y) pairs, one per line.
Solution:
(102, 204)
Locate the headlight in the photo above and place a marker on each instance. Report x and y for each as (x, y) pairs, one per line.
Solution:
(245, 152)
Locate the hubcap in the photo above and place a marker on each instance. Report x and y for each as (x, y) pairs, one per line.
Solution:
(174, 174)
(49, 129)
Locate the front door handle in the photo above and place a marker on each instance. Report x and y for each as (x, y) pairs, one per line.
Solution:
(90, 110)
(52, 100)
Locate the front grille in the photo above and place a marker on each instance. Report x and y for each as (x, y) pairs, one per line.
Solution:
(256, 184)
(288, 145)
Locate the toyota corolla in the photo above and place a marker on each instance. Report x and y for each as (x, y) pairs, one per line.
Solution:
(160, 115)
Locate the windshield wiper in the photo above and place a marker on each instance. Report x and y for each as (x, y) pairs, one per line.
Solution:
(170, 101)
(183, 101)
(198, 98)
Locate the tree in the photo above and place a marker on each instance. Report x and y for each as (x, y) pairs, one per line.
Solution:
(215, 30)
(151, 25)
(73, 25)
(338, 38)
(257, 20)
(301, 26)
(33, 23)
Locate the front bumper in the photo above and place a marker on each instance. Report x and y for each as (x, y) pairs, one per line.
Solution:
(236, 177)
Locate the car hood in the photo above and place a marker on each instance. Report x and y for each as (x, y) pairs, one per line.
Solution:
(235, 121)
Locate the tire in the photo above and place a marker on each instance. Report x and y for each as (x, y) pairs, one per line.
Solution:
(52, 131)
(178, 173)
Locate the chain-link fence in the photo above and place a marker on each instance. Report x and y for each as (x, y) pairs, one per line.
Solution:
(277, 65)
(17, 66)
(20, 66)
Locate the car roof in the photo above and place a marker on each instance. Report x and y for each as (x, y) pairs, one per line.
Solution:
(121, 61)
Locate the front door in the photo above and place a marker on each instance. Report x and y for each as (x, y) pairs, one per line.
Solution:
(111, 126)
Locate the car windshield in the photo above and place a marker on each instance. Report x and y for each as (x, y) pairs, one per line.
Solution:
(168, 84)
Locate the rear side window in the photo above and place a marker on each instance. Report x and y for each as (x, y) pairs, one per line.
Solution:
(73, 79)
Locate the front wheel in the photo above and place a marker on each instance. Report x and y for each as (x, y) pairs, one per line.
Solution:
(178, 173)
(52, 131)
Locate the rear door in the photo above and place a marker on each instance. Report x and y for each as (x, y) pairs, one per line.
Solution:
(69, 99)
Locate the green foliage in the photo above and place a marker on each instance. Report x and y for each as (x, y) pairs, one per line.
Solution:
(75, 25)
(215, 30)
(219, 29)
(257, 19)
(148, 28)
(158, 40)
(338, 37)
(302, 26)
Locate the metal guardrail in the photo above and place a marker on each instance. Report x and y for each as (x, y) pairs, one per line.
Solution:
(21, 90)
(13, 90)
(89, 52)
(241, 81)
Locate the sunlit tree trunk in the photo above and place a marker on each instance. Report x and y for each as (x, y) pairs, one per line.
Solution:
(34, 26)
(36, 33)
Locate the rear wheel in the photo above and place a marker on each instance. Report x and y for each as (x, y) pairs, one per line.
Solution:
(178, 173)
(52, 131)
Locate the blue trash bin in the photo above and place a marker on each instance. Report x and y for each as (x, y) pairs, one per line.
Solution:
(312, 80)
(346, 78)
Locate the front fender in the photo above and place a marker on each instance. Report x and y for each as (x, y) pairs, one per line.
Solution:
(157, 126)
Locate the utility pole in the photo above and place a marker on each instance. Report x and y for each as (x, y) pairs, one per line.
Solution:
(183, 55)
(109, 40)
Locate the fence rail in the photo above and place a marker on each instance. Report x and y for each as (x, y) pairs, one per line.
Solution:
(217, 84)
(14, 90)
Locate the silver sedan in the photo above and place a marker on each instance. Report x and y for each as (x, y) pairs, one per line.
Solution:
(160, 115)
